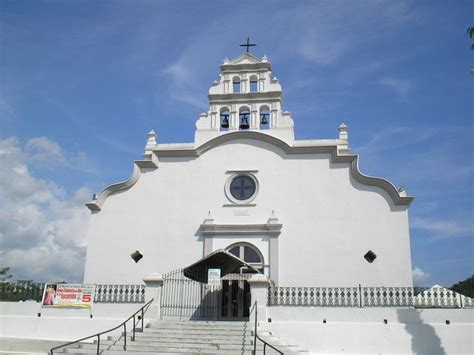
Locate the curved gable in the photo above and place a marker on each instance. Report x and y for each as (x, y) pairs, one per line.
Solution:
(299, 147)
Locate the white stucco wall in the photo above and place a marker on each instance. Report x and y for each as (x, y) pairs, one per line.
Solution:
(362, 331)
(329, 219)
(347, 330)
(20, 320)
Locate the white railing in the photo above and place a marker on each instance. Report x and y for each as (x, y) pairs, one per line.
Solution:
(314, 296)
(119, 294)
(418, 297)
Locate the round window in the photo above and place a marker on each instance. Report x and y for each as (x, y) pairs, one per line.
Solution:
(241, 188)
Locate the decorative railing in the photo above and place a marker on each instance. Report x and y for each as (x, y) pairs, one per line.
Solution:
(467, 302)
(314, 296)
(21, 291)
(119, 294)
(418, 297)
(26, 290)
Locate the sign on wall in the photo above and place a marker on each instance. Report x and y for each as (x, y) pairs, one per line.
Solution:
(68, 295)
(214, 277)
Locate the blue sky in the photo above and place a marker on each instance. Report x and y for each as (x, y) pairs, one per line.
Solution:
(82, 82)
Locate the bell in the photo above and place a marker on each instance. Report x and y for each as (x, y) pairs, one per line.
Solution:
(136, 256)
(244, 123)
(263, 119)
(225, 122)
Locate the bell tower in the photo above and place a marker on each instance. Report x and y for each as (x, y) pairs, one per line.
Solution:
(245, 98)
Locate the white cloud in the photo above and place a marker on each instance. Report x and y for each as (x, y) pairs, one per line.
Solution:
(402, 87)
(44, 151)
(436, 161)
(385, 139)
(116, 144)
(326, 31)
(322, 33)
(419, 276)
(42, 230)
(184, 84)
(178, 71)
(443, 229)
(6, 109)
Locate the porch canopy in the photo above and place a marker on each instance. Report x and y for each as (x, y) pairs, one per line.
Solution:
(219, 259)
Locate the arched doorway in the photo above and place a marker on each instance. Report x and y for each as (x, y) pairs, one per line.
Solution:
(190, 293)
(236, 297)
(248, 253)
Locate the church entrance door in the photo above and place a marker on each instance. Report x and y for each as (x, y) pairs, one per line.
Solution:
(235, 297)
(183, 298)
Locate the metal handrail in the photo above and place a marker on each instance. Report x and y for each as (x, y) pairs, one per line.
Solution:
(123, 324)
(255, 336)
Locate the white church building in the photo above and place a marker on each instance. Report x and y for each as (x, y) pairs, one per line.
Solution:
(300, 211)
(284, 240)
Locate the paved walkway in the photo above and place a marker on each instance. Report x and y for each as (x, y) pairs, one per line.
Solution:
(26, 346)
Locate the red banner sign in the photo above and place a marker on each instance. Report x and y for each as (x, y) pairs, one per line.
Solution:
(68, 295)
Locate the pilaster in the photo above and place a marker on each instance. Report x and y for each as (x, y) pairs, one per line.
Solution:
(153, 290)
(259, 293)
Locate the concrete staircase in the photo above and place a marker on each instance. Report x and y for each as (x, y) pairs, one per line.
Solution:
(189, 337)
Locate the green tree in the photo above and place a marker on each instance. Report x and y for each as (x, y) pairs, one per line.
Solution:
(465, 287)
(5, 274)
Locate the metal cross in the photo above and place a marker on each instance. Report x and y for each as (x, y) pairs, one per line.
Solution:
(248, 44)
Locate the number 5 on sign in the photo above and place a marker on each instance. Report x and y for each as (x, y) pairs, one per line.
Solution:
(86, 298)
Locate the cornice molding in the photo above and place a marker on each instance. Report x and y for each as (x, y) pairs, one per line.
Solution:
(384, 184)
(245, 96)
(271, 229)
(96, 205)
(231, 68)
(299, 147)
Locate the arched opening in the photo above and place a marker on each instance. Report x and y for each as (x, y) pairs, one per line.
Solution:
(236, 84)
(248, 253)
(224, 119)
(264, 117)
(253, 83)
(236, 296)
(244, 117)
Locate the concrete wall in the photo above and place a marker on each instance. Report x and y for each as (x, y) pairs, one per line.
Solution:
(20, 320)
(351, 331)
(329, 220)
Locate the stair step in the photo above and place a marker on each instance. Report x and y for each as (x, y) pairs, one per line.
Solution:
(163, 351)
(203, 335)
(228, 332)
(151, 346)
(197, 326)
(187, 344)
(194, 336)
(158, 341)
(174, 350)
(201, 323)
(189, 337)
(180, 337)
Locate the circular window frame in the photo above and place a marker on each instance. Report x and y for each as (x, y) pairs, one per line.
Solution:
(234, 200)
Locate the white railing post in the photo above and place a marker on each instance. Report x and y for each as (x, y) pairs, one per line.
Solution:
(154, 286)
(259, 291)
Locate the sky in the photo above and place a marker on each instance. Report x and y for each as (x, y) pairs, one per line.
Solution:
(82, 82)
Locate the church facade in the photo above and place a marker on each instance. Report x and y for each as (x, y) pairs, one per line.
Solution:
(299, 211)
